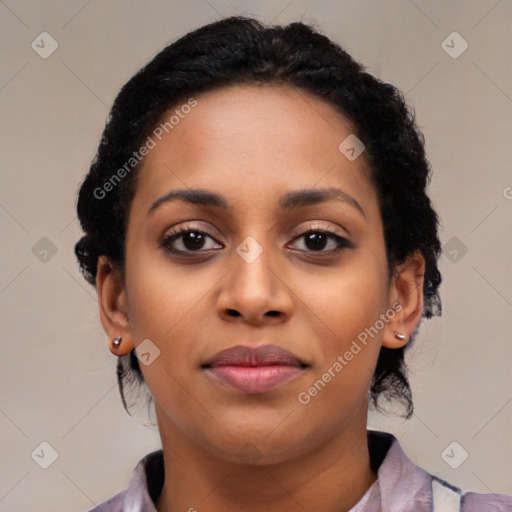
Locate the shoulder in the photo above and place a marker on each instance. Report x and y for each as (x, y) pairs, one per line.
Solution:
(145, 485)
(485, 502)
(402, 485)
(112, 504)
(449, 497)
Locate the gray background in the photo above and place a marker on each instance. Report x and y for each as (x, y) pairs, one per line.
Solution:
(57, 377)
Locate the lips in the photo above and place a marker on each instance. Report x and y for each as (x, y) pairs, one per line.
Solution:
(265, 355)
(254, 370)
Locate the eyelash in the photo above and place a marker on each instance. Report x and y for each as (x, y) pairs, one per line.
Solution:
(168, 239)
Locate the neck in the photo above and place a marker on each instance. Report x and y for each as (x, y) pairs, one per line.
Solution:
(331, 478)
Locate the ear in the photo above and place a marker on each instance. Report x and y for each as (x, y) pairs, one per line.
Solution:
(406, 299)
(113, 306)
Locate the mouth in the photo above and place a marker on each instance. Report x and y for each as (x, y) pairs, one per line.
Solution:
(254, 370)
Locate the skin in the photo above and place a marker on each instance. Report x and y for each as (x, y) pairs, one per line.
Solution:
(252, 144)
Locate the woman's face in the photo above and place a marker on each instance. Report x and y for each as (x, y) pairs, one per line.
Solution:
(254, 276)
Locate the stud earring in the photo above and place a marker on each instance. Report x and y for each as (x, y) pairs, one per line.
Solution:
(116, 342)
(401, 337)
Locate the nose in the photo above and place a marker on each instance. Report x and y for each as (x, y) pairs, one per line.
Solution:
(255, 291)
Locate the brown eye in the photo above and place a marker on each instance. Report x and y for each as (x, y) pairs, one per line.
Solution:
(187, 240)
(316, 240)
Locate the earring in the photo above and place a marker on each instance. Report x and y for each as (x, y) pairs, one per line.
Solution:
(399, 336)
(116, 342)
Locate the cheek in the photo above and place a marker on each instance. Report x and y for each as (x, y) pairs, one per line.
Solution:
(165, 305)
(164, 302)
(162, 297)
(338, 386)
(352, 300)
(349, 307)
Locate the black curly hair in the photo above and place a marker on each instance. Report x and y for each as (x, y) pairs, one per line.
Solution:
(242, 50)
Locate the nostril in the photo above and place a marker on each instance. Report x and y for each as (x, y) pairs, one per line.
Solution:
(233, 312)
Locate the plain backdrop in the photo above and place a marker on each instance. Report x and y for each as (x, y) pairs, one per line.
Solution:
(57, 377)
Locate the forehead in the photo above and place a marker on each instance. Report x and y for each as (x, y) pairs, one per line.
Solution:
(248, 141)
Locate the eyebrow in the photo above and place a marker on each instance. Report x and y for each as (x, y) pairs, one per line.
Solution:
(290, 200)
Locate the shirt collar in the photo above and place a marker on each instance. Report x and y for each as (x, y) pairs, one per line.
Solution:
(400, 484)
(399, 481)
(145, 484)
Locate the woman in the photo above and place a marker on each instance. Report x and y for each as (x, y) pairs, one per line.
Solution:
(260, 239)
